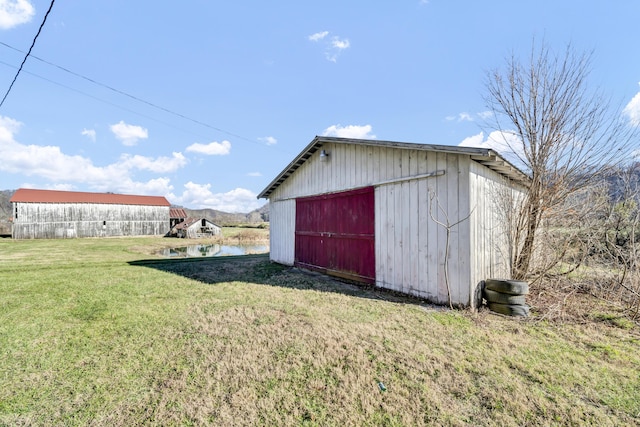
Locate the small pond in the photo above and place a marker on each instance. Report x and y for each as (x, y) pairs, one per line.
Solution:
(195, 251)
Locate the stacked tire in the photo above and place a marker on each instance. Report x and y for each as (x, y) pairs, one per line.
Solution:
(506, 296)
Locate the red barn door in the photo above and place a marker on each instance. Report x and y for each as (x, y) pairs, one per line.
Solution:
(335, 234)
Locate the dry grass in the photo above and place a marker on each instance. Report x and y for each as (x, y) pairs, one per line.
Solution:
(589, 296)
(240, 341)
(246, 235)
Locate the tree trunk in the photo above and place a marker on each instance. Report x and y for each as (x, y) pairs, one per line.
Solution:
(523, 257)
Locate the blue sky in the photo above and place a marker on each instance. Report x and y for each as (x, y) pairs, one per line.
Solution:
(204, 102)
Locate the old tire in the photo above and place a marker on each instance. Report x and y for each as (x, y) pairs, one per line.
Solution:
(500, 298)
(511, 287)
(510, 309)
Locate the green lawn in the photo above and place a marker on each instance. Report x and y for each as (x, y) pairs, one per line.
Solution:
(90, 335)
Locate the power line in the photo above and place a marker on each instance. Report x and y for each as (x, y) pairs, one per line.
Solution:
(102, 100)
(33, 43)
(118, 91)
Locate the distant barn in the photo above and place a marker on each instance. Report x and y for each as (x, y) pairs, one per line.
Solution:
(365, 209)
(194, 228)
(47, 214)
(176, 216)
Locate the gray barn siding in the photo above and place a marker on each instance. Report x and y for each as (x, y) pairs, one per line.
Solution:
(489, 226)
(67, 220)
(282, 217)
(410, 247)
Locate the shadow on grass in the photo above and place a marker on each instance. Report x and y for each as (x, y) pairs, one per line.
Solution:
(258, 269)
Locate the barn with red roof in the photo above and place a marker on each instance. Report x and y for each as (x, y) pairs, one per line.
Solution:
(50, 214)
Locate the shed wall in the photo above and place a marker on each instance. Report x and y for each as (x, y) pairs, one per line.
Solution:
(493, 199)
(69, 220)
(410, 246)
(282, 227)
(348, 167)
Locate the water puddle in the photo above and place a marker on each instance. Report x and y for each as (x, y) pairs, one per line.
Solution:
(197, 251)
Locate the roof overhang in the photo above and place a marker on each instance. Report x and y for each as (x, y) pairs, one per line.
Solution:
(484, 156)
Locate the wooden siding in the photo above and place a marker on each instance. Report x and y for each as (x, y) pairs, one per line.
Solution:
(410, 246)
(489, 233)
(348, 167)
(282, 219)
(194, 228)
(69, 220)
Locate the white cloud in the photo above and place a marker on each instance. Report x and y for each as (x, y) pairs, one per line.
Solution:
(475, 141)
(200, 196)
(15, 12)
(340, 44)
(156, 187)
(318, 36)
(47, 162)
(504, 142)
(63, 170)
(59, 187)
(485, 115)
(158, 165)
(211, 149)
(467, 117)
(8, 127)
(129, 134)
(254, 174)
(89, 133)
(351, 131)
(269, 140)
(464, 117)
(333, 47)
(498, 141)
(632, 110)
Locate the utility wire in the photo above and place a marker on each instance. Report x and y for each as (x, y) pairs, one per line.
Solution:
(104, 101)
(166, 110)
(88, 95)
(33, 43)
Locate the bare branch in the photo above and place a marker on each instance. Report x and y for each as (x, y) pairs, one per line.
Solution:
(447, 225)
(563, 134)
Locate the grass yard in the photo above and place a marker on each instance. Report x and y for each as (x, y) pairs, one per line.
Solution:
(90, 334)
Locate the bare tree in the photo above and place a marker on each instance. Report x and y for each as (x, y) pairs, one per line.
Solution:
(562, 133)
(617, 247)
(448, 226)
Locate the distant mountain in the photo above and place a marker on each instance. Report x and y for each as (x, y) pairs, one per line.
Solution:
(224, 218)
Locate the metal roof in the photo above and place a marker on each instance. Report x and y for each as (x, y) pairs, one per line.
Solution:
(484, 156)
(28, 195)
(186, 223)
(177, 213)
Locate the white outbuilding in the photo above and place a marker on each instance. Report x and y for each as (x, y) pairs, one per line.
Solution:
(52, 214)
(377, 212)
(195, 227)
